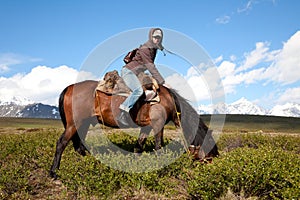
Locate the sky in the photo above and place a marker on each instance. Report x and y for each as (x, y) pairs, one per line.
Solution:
(254, 45)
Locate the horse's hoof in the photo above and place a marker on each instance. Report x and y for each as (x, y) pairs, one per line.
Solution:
(81, 152)
(137, 150)
(207, 160)
(53, 175)
(158, 152)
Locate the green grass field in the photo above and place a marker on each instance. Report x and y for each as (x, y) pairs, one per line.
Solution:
(254, 163)
(232, 123)
(9, 122)
(252, 123)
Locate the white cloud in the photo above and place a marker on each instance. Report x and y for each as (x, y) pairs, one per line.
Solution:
(201, 83)
(226, 68)
(286, 68)
(199, 87)
(182, 85)
(273, 69)
(218, 59)
(9, 59)
(3, 68)
(250, 4)
(246, 8)
(229, 79)
(290, 95)
(253, 76)
(43, 84)
(195, 86)
(232, 58)
(263, 64)
(260, 54)
(223, 20)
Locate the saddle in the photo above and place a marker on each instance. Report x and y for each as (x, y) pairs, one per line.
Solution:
(113, 84)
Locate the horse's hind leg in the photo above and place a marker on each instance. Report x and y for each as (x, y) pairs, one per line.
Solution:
(159, 141)
(78, 145)
(158, 118)
(60, 147)
(79, 137)
(144, 133)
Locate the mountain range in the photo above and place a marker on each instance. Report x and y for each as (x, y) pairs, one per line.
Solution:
(21, 107)
(244, 106)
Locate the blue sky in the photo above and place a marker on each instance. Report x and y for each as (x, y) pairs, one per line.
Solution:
(255, 44)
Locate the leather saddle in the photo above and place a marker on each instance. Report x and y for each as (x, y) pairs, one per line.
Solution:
(113, 84)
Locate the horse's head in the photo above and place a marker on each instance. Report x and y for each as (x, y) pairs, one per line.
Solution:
(203, 145)
(195, 131)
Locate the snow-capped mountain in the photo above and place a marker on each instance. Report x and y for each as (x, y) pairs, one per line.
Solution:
(288, 109)
(15, 100)
(39, 110)
(22, 107)
(243, 106)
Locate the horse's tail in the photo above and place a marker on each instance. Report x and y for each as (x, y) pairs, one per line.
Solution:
(61, 107)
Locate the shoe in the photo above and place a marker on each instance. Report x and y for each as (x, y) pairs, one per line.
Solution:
(123, 119)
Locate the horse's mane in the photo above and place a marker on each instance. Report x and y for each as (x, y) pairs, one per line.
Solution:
(191, 123)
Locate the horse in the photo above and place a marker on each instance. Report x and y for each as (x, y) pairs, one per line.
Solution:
(77, 110)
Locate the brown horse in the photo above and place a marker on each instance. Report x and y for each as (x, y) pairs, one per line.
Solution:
(77, 105)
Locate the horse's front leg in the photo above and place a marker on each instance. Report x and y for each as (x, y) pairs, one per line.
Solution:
(144, 133)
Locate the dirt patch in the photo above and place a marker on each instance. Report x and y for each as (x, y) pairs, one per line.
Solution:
(41, 186)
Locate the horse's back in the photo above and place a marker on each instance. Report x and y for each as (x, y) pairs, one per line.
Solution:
(88, 85)
(79, 100)
(84, 90)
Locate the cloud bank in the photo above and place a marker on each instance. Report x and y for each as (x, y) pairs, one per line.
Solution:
(261, 66)
(42, 84)
(265, 66)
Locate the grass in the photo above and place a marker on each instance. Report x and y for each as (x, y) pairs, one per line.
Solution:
(10, 122)
(255, 123)
(251, 165)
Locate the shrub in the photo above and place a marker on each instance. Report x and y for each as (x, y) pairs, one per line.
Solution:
(251, 165)
(265, 172)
